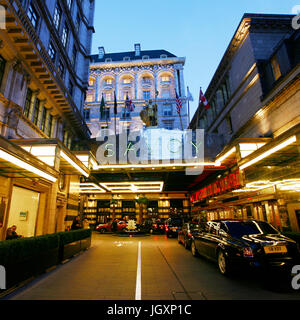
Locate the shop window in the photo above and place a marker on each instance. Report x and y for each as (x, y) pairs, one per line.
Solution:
(23, 214)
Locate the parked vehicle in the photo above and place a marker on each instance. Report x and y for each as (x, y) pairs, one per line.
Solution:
(245, 243)
(107, 227)
(185, 235)
(172, 226)
(158, 226)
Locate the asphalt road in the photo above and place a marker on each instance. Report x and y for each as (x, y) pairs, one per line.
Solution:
(148, 268)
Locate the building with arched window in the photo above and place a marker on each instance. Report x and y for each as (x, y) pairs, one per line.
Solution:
(143, 76)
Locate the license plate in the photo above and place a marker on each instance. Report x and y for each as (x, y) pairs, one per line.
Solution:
(275, 249)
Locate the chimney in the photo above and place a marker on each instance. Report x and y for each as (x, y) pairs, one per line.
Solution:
(137, 49)
(101, 52)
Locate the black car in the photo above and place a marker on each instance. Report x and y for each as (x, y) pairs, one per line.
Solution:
(250, 243)
(172, 226)
(185, 235)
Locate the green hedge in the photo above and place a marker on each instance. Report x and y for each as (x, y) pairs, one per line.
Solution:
(74, 235)
(18, 250)
(293, 235)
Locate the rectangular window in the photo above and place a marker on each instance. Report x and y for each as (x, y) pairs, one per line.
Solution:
(36, 111)
(27, 103)
(168, 125)
(61, 69)
(165, 94)
(109, 81)
(90, 97)
(57, 16)
(86, 114)
(43, 122)
(50, 125)
(146, 95)
(33, 16)
(71, 88)
(127, 80)
(77, 23)
(108, 97)
(168, 110)
(275, 68)
(2, 68)
(165, 79)
(74, 56)
(65, 35)
(52, 52)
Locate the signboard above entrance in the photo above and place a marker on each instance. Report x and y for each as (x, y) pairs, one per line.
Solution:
(225, 184)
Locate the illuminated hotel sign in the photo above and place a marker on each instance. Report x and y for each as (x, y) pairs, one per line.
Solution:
(152, 147)
(227, 183)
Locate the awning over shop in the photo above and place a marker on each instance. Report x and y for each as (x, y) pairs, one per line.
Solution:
(15, 162)
(55, 154)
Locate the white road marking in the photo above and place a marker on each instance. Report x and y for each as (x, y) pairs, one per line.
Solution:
(138, 289)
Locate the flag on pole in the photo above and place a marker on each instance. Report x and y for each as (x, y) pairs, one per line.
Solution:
(102, 106)
(189, 95)
(115, 104)
(203, 100)
(178, 103)
(129, 105)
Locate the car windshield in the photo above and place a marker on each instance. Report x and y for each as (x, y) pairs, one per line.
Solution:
(175, 222)
(239, 229)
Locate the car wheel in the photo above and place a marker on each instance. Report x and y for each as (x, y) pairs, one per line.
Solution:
(223, 263)
(102, 230)
(194, 250)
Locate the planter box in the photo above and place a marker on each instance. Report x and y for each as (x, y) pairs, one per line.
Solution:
(31, 267)
(85, 243)
(69, 250)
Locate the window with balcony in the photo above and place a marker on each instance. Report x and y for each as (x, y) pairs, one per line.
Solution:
(33, 16)
(108, 82)
(126, 80)
(57, 16)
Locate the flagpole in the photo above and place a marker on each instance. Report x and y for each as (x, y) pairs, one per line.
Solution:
(198, 110)
(188, 104)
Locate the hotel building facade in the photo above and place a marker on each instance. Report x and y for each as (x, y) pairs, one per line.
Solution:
(143, 76)
(44, 57)
(255, 107)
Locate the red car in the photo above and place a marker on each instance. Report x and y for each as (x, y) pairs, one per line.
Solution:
(107, 227)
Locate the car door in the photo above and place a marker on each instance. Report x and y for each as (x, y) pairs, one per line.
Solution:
(200, 239)
(213, 240)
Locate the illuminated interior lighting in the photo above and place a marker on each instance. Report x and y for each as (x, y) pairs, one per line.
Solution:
(43, 153)
(8, 157)
(165, 165)
(269, 152)
(134, 187)
(226, 155)
(91, 188)
(71, 162)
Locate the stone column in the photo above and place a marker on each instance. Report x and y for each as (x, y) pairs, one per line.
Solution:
(97, 89)
(135, 84)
